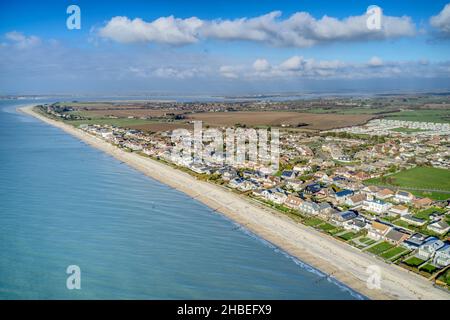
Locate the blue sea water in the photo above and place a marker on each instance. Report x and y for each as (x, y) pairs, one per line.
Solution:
(65, 203)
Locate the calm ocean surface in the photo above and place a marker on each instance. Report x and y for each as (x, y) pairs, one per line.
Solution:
(64, 203)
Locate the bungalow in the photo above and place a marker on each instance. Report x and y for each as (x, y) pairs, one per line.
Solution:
(403, 196)
(422, 203)
(396, 237)
(378, 230)
(384, 194)
(312, 188)
(340, 218)
(356, 199)
(295, 185)
(399, 209)
(442, 256)
(440, 227)
(415, 241)
(342, 196)
(356, 224)
(429, 248)
(293, 202)
(288, 175)
(376, 206)
(309, 207)
(410, 219)
(236, 182)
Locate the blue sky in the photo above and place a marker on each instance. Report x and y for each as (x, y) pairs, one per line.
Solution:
(222, 46)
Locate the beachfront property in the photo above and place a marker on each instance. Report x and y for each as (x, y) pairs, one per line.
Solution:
(321, 185)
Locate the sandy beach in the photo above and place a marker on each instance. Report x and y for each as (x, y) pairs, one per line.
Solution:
(345, 263)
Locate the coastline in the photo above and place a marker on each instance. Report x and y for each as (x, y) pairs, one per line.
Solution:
(346, 264)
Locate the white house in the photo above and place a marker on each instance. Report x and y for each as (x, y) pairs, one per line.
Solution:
(403, 197)
(429, 248)
(376, 206)
(442, 256)
(440, 227)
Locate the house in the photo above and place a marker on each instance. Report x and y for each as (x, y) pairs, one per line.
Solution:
(440, 227)
(356, 224)
(295, 185)
(384, 194)
(356, 199)
(399, 209)
(312, 188)
(403, 196)
(428, 249)
(275, 195)
(340, 218)
(309, 207)
(293, 202)
(342, 196)
(236, 182)
(422, 203)
(410, 219)
(288, 174)
(378, 230)
(395, 236)
(376, 206)
(442, 256)
(415, 241)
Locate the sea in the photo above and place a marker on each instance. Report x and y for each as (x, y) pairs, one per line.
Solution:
(64, 204)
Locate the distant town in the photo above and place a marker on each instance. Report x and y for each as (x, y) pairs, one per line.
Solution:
(373, 173)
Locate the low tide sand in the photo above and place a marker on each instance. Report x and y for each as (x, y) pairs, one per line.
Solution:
(345, 263)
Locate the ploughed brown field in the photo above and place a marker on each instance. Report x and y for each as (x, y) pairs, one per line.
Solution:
(162, 126)
(278, 119)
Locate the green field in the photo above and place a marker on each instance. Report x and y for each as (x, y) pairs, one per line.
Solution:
(347, 236)
(380, 248)
(441, 115)
(428, 268)
(414, 262)
(393, 252)
(420, 178)
(425, 214)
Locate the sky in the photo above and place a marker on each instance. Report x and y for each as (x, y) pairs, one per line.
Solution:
(223, 47)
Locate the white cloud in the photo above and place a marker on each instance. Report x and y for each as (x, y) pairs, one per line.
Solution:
(20, 41)
(300, 67)
(299, 30)
(261, 65)
(168, 30)
(230, 72)
(375, 62)
(442, 21)
(293, 63)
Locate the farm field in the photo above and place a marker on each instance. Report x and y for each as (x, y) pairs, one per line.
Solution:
(435, 180)
(280, 118)
(440, 116)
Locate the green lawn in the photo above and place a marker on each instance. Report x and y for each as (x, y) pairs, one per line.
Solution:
(393, 252)
(421, 178)
(429, 268)
(326, 227)
(425, 214)
(380, 248)
(414, 262)
(367, 241)
(445, 277)
(347, 236)
(313, 222)
(441, 115)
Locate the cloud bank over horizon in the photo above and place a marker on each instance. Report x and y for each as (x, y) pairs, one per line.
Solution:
(299, 30)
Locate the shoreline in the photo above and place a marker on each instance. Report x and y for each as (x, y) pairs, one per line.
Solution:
(338, 260)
